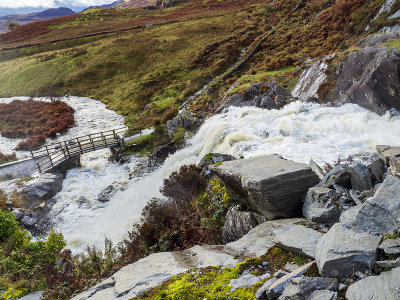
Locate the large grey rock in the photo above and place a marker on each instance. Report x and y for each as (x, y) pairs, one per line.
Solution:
(342, 251)
(323, 295)
(377, 169)
(376, 39)
(298, 239)
(385, 286)
(243, 281)
(347, 217)
(390, 246)
(317, 169)
(385, 152)
(388, 263)
(339, 175)
(213, 158)
(302, 287)
(43, 187)
(321, 205)
(258, 240)
(260, 294)
(238, 223)
(394, 162)
(360, 177)
(381, 213)
(370, 78)
(268, 184)
(276, 289)
(311, 79)
(161, 153)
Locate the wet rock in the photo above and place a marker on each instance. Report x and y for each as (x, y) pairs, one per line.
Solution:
(44, 187)
(321, 205)
(385, 286)
(381, 213)
(323, 295)
(339, 175)
(385, 152)
(107, 193)
(28, 222)
(161, 153)
(268, 103)
(17, 214)
(377, 168)
(370, 78)
(238, 223)
(213, 158)
(360, 177)
(342, 251)
(268, 184)
(390, 246)
(252, 91)
(277, 288)
(302, 287)
(298, 239)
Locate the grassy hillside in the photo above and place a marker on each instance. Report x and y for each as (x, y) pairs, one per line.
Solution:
(145, 63)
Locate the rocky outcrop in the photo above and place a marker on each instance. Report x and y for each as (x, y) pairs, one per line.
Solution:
(298, 239)
(381, 213)
(161, 153)
(268, 95)
(321, 205)
(303, 287)
(269, 184)
(342, 251)
(385, 286)
(390, 246)
(238, 223)
(43, 187)
(385, 152)
(376, 39)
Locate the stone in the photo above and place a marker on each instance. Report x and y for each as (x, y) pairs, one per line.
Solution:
(311, 79)
(298, 239)
(258, 240)
(267, 184)
(302, 287)
(391, 246)
(375, 39)
(28, 222)
(339, 175)
(360, 177)
(17, 214)
(243, 281)
(32, 296)
(238, 223)
(44, 187)
(268, 103)
(105, 284)
(370, 78)
(213, 158)
(323, 295)
(277, 288)
(161, 153)
(252, 91)
(321, 205)
(291, 267)
(377, 168)
(348, 216)
(380, 214)
(388, 263)
(280, 273)
(317, 169)
(260, 294)
(390, 29)
(385, 286)
(107, 193)
(342, 251)
(394, 162)
(385, 152)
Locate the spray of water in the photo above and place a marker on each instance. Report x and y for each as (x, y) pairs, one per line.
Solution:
(299, 131)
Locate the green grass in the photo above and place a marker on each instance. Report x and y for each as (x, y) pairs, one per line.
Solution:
(392, 43)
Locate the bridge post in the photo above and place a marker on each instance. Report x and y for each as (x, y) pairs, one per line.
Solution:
(80, 146)
(66, 147)
(92, 141)
(48, 154)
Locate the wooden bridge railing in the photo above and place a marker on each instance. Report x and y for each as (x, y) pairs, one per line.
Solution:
(52, 155)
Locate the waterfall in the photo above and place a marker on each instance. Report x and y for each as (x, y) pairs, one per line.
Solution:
(299, 131)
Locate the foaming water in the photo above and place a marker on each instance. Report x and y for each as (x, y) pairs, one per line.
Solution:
(299, 131)
(91, 116)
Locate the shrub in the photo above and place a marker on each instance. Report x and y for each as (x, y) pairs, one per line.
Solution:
(8, 225)
(6, 158)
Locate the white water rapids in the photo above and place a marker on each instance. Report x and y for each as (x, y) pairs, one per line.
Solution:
(299, 131)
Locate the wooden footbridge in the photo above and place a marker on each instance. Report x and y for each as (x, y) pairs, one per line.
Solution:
(51, 156)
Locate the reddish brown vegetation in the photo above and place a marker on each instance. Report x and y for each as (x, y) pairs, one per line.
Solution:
(34, 119)
(34, 29)
(5, 158)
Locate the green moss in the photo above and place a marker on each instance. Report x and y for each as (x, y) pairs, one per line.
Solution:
(390, 236)
(218, 163)
(142, 145)
(395, 43)
(179, 136)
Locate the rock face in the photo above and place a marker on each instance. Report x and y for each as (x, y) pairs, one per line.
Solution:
(375, 39)
(302, 287)
(385, 286)
(310, 80)
(381, 213)
(320, 206)
(298, 239)
(342, 251)
(390, 246)
(161, 153)
(44, 187)
(360, 177)
(370, 78)
(385, 152)
(268, 184)
(339, 175)
(238, 223)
